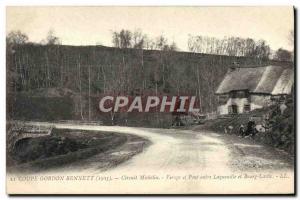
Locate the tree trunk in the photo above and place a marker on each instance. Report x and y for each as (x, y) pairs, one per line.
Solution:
(199, 90)
(80, 95)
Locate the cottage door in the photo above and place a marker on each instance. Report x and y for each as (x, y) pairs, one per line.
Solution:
(234, 109)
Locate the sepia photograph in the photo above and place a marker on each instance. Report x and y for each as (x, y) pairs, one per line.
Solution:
(184, 100)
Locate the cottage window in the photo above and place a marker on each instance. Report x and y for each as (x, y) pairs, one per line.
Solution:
(282, 99)
(222, 99)
(247, 108)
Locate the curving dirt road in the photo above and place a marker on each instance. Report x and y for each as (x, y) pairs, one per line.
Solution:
(174, 149)
(175, 153)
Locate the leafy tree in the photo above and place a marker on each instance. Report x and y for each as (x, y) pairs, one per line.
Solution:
(122, 39)
(262, 50)
(16, 37)
(125, 36)
(283, 55)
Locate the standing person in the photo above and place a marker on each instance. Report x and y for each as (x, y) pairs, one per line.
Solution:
(254, 131)
(242, 131)
(282, 108)
(250, 127)
(230, 129)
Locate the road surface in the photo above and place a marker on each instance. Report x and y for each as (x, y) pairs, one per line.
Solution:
(214, 160)
(174, 149)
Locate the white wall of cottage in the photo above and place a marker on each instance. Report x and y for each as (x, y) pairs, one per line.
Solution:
(255, 101)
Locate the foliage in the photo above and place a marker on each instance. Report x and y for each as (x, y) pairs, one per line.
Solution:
(127, 39)
(52, 39)
(232, 46)
(281, 128)
(283, 55)
(16, 37)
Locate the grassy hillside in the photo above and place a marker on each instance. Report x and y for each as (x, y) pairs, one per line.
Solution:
(89, 71)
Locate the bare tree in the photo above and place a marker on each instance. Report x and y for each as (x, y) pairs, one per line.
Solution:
(149, 44)
(232, 46)
(291, 41)
(138, 39)
(116, 39)
(52, 39)
(161, 43)
(80, 89)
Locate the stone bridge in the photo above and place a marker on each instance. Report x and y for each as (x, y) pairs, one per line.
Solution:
(19, 131)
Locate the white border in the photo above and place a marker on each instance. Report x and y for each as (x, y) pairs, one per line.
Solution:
(5, 3)
(154, 2)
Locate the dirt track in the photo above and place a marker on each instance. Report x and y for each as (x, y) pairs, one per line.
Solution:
(194, 150)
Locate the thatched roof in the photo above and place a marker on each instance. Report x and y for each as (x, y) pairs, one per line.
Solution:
(267, 80)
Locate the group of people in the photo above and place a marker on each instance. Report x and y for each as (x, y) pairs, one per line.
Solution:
(250, 130)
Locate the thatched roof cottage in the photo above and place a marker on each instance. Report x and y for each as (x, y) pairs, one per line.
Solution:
(247, 88)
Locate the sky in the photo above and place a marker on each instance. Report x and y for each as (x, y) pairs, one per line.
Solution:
(94, 25)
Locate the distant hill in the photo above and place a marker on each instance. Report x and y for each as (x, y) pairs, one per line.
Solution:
(94, 70)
